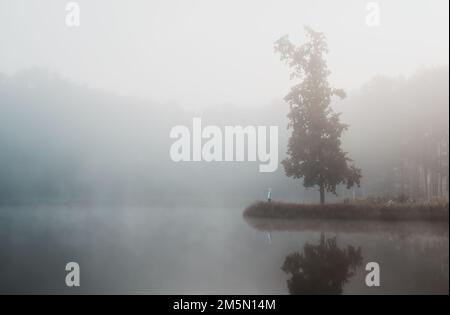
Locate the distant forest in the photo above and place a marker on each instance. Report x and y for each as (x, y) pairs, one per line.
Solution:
(61, 142)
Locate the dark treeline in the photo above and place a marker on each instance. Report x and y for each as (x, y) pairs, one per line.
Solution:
(65, 143)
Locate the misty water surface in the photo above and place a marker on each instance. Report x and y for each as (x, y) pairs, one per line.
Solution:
(206, 251)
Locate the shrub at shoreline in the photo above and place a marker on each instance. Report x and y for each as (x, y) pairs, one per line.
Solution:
(433, 211)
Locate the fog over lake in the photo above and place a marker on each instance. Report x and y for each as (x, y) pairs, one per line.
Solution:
(89, 172)
(185, 250)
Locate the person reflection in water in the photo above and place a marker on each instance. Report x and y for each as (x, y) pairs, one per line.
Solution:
(322, 268)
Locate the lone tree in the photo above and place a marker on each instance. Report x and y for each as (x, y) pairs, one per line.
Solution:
(314, 149)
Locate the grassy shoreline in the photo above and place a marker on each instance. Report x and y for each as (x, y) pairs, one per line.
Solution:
(437, 211)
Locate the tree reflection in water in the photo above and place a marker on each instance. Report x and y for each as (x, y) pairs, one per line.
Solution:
(322, 268)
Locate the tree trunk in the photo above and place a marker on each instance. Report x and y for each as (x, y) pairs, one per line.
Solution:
(322, 194)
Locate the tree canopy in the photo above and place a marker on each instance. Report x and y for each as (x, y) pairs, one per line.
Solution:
(314, 148)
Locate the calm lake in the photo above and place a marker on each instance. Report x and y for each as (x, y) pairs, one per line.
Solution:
(213, 251)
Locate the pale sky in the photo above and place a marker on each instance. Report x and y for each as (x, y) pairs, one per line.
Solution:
(211, 52)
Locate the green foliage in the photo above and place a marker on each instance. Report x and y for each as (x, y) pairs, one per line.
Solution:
(314, 149)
